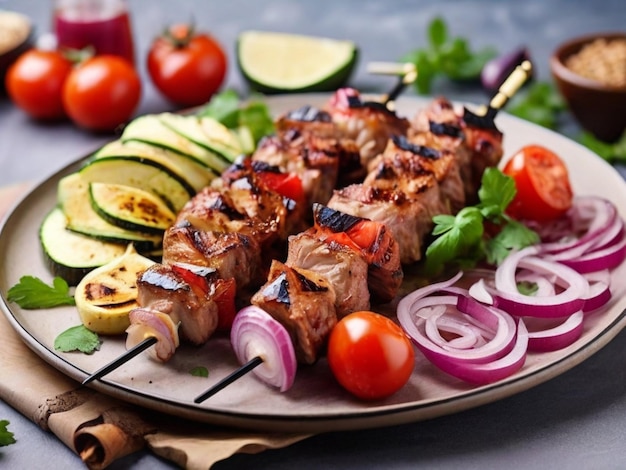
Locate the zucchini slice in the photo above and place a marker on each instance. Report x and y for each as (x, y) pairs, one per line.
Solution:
(140, 173)
(206, 132)
(130, 208)
(151, 130)
(71, 255)
(73, 194)
(194, 171)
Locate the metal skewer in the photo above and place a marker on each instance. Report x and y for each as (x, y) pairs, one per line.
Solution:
(229, 379)
(125, 357)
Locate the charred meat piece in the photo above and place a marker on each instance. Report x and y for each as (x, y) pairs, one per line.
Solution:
(369, 124)
(408, 220)
(304, 303)
(344, 268)
(372, 239)
(161, 288)
(232, 255)
(407, 159)
(476, 142)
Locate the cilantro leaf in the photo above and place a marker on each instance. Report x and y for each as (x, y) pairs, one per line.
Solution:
(446, 56)
(495, 193)
(199, 371)
(513, 236)
(6, 436)
(77, 338)
(31, 293)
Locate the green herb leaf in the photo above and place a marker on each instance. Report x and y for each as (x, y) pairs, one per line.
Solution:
(199, 371)
(540, 103)
(446, 56)
(462, 239)
(6, 436)
(612, 153)
(77, 338)
(31, 293)
(527, 287)
(252, 120)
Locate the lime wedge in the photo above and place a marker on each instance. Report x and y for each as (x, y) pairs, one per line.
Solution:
(282, 63)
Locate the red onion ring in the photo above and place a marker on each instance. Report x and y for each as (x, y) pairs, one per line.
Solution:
(256, 333)
(556, 337)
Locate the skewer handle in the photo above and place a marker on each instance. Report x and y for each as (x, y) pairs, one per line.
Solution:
(127, 356)
(229, 379)
(511, 85)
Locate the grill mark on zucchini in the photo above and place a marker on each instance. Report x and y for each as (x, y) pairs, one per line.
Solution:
(130, 208)
(140, 173)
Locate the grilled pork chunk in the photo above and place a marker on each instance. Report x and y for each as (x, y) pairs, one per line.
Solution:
(304, 303)
(344, 268)
(160, 288)
(232, 255)
(370, 124)
(372, 240)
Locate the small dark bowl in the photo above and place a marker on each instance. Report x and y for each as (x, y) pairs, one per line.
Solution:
(598, 108)
(10, 55)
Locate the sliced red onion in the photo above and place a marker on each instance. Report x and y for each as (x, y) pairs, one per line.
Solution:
(482, 374)
(255, 333)
(480, 349)
(553, 338)
(506, 295)
(146, 322)
(599, 290)
(606, 258)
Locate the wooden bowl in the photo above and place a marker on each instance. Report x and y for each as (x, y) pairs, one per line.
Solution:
(599, 108)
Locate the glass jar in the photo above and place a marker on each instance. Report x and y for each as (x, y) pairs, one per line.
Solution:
(102, 24)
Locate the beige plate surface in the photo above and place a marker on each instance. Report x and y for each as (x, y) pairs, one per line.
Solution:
(315, 403)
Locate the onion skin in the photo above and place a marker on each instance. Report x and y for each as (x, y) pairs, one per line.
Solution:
(495, 72)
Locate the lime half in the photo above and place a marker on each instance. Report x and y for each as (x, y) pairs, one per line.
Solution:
(282, 63)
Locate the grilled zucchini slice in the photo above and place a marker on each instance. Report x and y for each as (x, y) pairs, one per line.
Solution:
(140, 173)
(130, 208)
(73, 197)
(150, 129)
(206, 132)
(194, 171)
(71, 255)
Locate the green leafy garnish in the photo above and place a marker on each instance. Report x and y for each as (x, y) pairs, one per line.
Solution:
(446, 56)
(251, 121)
(6, 436)
(199, 371)
(77, 338)
(31, 292)
(463, 239)
(615, 152)
(540, 103)
(527, 287)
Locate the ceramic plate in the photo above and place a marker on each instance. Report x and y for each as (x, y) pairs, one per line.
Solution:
(316, 402)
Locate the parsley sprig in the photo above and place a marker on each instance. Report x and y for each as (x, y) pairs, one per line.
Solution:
(463, 239)
(446, 56)
(31, 293)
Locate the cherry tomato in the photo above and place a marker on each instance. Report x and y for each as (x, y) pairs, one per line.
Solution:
(370, 355)
(35, 82)
(102, 92)
(186, 67)
(285, 184)
(543, 187)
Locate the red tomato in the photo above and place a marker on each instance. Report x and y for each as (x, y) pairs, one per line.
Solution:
(102, 92)
(224, 293)
(188, 68)
(543, 187)
(370, 355)
(35, 82)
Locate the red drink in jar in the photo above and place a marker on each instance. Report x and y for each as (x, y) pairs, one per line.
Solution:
(102, 24)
